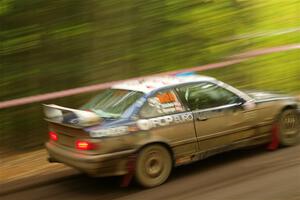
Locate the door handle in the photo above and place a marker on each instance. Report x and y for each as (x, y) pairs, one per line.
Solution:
(201, 118)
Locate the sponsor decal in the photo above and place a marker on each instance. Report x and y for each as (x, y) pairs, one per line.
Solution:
(167, 97)
(166, 103)
(147, 124)
(116, 131)
(74, 121)
(153, 101)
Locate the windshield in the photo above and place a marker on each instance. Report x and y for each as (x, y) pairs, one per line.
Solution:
(112, 103)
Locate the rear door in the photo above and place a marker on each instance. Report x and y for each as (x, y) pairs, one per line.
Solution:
(168, 119)
(218, 113)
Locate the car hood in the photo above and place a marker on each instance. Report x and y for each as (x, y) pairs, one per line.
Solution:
(266, 95)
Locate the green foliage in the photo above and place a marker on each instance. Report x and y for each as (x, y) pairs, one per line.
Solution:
(275, 72)
(54, 45)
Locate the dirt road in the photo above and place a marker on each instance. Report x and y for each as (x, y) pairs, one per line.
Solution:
(253, 174)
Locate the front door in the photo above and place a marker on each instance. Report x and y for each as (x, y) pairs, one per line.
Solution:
(218, 114)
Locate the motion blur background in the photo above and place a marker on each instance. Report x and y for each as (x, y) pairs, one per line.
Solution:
(49, 46)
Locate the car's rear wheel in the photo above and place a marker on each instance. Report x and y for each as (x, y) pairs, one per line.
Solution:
(289, 127)
(153, 166)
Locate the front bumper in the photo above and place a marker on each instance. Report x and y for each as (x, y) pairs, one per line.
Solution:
(111, 164)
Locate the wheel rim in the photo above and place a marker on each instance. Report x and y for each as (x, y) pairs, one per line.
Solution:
(289, 125)
(153, 166)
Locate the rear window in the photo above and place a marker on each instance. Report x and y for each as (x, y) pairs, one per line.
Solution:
(112, 103)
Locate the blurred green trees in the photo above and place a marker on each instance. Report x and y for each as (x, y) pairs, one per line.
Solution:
(54, 45)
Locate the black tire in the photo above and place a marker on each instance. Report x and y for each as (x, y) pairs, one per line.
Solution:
(153, 166)
(289, 127)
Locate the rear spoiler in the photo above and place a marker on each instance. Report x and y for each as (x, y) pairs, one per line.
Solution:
(74, 117)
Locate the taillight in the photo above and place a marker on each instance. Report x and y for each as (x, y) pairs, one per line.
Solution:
(84, 145)
(53, 136)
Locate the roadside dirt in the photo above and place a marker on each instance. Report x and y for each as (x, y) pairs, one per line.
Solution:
(24, 165)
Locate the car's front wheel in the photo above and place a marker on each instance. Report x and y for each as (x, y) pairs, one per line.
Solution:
(289, 127)
(153, 166)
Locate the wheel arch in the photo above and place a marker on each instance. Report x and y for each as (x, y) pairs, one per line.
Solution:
(284, 108)
(289, 106)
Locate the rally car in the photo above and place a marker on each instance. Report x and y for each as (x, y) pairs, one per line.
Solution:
(155, 124)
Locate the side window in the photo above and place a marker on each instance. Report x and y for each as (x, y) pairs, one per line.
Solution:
(162, 103)
(206, 95)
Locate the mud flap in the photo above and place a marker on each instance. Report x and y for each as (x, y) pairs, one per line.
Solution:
(126, 179)
(275, 138)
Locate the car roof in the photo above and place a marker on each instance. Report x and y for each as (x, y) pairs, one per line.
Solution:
(150, 84)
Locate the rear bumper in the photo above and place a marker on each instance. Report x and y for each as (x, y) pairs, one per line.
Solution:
(111, 164)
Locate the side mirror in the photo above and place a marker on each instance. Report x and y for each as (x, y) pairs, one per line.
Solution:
(248, 105)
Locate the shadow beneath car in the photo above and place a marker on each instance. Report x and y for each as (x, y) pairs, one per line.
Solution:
(218, 160)
(109, 187)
